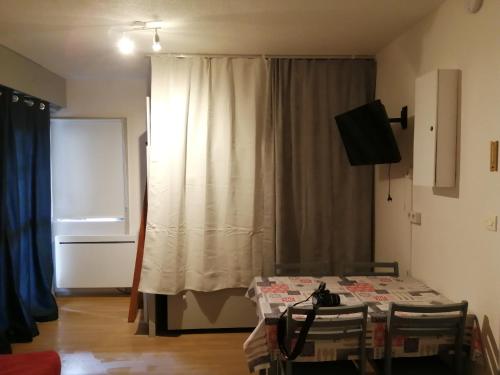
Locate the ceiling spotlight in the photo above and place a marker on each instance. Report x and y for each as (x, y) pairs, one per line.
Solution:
(126, 45)
(156, 42)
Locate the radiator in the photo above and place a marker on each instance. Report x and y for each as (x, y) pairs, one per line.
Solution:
(94, 261)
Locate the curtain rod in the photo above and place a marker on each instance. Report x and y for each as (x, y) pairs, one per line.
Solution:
(339, 57)
(26, 99)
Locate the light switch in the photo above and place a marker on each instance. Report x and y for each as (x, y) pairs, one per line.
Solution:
(491, 223)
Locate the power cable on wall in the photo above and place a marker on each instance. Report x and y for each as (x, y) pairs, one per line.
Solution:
(410, 177)
(389, 198)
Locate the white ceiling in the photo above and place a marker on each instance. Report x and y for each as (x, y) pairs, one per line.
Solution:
(77, 38)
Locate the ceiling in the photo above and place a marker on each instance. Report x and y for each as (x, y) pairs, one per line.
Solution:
(77, 38)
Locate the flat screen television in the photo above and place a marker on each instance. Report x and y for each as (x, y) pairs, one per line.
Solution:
(367, 135)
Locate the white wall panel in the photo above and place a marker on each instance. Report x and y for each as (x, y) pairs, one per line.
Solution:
(94, 261)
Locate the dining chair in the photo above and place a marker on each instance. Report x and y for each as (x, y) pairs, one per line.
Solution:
(370, 269)
(434, 320)
(341, 322)
(317, 269)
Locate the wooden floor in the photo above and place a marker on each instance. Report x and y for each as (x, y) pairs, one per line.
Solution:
(92, 336)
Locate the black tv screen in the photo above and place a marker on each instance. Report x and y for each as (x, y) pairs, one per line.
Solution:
(367, 135)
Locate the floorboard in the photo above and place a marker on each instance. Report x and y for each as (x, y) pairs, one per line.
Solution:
(93, 336)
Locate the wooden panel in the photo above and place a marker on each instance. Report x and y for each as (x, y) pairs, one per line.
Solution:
(135, 295)
(494, 156)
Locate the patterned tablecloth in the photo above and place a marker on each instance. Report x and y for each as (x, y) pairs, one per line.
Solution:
(273, 294)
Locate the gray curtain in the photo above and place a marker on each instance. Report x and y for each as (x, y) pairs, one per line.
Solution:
(323, 205)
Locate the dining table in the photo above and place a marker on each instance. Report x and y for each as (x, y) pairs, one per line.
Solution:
(272, 295)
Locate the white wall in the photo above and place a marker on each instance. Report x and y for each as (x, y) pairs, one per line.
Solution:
(22, 74)
(116, 98)
(451, 250)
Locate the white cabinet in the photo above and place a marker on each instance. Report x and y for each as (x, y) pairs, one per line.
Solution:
(435, 137)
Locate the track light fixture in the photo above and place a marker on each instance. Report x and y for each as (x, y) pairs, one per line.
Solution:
(126, 45)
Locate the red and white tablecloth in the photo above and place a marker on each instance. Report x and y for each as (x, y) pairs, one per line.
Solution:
(273, 294)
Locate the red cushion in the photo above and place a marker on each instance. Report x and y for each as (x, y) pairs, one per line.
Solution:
(39, 363)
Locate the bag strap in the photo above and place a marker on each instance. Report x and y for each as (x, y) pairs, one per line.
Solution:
(299, 345)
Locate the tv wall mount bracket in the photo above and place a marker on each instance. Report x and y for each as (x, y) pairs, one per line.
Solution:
(403, 120)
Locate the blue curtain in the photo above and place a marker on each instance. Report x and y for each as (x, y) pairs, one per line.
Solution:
(26, 267)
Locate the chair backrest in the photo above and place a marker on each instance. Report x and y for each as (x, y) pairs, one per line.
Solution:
(491, 349)
(342, 322)
(434, 320)
(370, 269)
(427, 320)
(302, 269)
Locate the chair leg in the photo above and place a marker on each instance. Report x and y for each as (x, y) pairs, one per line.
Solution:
(289, 367)
(458, 358)
(362, 355)
(279, 367)
(388, 354)
(275, 368)
(362, 363)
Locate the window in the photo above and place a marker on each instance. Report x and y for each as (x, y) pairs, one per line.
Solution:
(89, 179)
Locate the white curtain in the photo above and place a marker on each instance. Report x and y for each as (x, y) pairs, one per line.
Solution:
(211, 177)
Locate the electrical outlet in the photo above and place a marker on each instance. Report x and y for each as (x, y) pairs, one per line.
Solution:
(415, 217)
(491, 223)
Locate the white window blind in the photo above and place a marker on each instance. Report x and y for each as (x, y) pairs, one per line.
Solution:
(89, 181)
